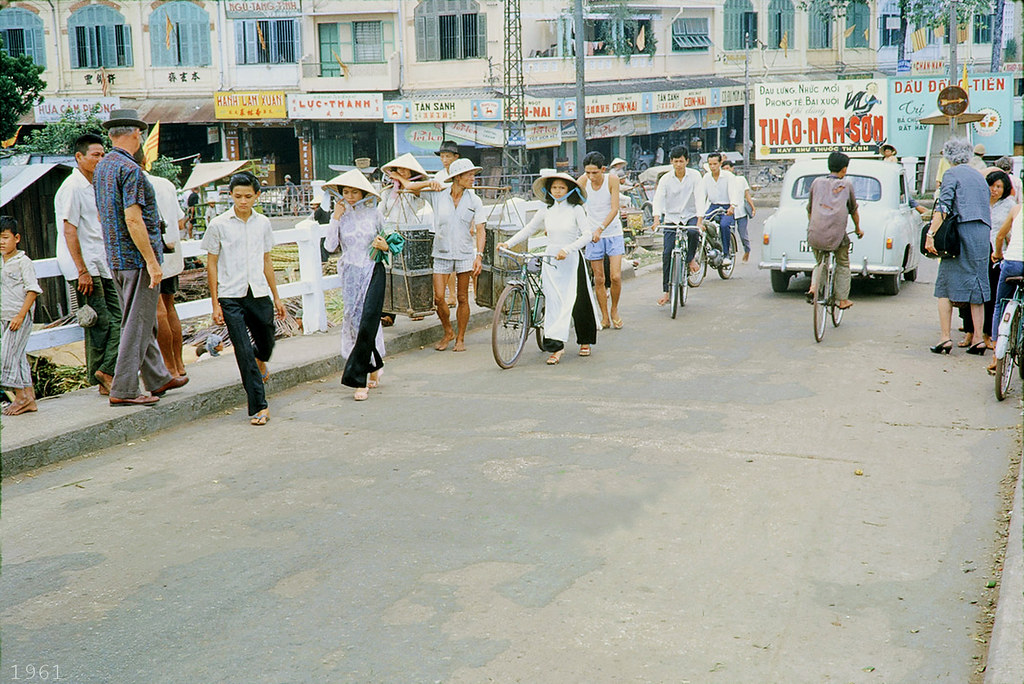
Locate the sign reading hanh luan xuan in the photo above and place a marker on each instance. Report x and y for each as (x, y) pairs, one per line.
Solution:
(814, 118)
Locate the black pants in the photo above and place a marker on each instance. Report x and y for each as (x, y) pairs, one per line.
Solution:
(669, 244)
(250, 317)
(584, 318)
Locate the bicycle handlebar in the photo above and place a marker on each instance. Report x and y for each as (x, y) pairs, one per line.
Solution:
(523, 256)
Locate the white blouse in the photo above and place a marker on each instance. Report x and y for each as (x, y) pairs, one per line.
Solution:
(566, 225)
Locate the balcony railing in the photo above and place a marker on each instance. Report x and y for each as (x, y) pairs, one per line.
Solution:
(333, 76)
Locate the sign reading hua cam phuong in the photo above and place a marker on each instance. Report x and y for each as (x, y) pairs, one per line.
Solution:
(819, 117)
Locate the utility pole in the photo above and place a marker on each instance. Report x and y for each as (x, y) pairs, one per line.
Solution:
(746, 106)
(581, 95)
(515, 96)
(952, 34)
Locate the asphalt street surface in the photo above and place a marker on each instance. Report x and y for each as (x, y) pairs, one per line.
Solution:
(682, 506)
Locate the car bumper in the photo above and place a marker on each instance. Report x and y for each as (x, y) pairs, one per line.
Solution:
(803, 266)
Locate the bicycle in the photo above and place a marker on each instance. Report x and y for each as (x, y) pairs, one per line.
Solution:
(825, 297)
(1010, 340)
(520, 308)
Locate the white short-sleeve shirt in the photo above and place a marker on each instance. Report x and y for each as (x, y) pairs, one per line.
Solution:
(740, 188)
(75, 203)
(240, 246)
(454, 225)
(170, 212)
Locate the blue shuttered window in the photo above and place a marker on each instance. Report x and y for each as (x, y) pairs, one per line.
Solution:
(740, 20)
(22, 34)
(820, 32)
(780, 25)
(99, 37)
(267, 41)
(858, 22)
(450, 30)
(188, 27)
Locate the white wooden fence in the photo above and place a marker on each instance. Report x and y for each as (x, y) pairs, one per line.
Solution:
(311, 286)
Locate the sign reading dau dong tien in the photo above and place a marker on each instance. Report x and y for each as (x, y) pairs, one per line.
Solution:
(819, 117)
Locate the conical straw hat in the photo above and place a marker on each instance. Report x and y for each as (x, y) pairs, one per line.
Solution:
(353, 179)
(406, 161)
(547, 175)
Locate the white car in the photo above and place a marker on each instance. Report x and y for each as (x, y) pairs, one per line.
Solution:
(892, 229)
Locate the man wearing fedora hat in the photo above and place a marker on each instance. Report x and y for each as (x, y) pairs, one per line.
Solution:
(448, 152)
(128, 213)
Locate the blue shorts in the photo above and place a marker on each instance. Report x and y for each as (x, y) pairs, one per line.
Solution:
(606, 246)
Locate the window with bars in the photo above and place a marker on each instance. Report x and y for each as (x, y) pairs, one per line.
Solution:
(450, 30)
(740, 22)
(858, 19)
(889, 30)
(180, 35)
(356, 42)
(780, 25)
(22, 34)
(690, 35)
(99, 37)
(266, 41)
(819, 32)
(983, 28)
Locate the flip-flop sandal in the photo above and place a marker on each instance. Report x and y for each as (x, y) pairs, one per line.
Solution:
(584, 351)
(361, 394)
(844, 308)
(617, 323)
(260, 418)
(374, 384)
(554, 359)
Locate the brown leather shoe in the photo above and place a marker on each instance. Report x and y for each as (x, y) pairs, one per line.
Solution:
(104, 380)
(141, 400)
(174, 383)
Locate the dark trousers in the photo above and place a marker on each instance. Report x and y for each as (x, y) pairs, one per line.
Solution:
(101, 339)
(670, 243)
(137, 351)
(250, 323)
(725, 223)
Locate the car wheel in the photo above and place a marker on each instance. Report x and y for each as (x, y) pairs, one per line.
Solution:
(780, 281)
(891, 284)
(910, 276)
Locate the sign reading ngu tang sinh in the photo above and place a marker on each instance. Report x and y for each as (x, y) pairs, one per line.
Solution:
(819, 117)
(260, 9)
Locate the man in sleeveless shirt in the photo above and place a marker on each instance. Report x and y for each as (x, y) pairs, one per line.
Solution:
(603, 211)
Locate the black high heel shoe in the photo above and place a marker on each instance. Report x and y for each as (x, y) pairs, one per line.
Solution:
(942, 347)
(978, 349)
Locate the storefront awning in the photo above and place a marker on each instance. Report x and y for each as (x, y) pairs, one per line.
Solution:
(211, 172)
(191, 111)
(15, 180)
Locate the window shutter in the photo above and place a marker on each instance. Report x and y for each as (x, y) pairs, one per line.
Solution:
(327, 34)
(158, 53)
(388, 39)
(345, 42)
(241, 41)
(481, 36)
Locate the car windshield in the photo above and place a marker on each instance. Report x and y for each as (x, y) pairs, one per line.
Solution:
(865, 188)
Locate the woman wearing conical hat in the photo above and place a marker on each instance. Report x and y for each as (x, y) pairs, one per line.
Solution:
(568, 297)
(408, 169)
(355, 227)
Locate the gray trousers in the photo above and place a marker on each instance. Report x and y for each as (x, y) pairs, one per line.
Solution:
(137, 351)
(16, 372)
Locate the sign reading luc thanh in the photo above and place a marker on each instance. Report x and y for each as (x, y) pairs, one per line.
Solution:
(819, 117)
(263, 104)
(364, 106)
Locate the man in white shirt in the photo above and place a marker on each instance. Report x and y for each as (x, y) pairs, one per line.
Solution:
(679, 201)
(741, 190)
(168, 325)
(83, 260)
(720, 192)
(241, 278)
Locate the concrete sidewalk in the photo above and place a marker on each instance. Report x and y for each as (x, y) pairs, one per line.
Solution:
(81, 422)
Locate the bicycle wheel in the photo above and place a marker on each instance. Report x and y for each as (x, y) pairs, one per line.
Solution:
(538, 319)
(820, 304)
(725, 272)
(1004, 366)
(696, 278)
(674, 275)
(511, 325)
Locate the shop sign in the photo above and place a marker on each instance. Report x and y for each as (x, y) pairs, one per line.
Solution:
(337, 106)
(487, 110)
(664, 122)
(818, 117)
(264, 104)
(420, 139)
(714, 117)
(911, 99)
(925, 67)
(540, 135)
(1013, 67)
(678, 100)
(731, 95)
(53, 108)
(614, 105)
(397, 111)
(259, 9)
(491, 135)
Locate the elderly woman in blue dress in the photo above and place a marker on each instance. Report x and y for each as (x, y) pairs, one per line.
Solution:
(963, 280)
(355, 227)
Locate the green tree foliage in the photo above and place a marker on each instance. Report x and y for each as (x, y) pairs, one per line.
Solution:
(59, 137)
(20, 86)
(165, 168)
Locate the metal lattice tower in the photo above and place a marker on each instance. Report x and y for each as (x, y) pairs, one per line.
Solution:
(514, 156)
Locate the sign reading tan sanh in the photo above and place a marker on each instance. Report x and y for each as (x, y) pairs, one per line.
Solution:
(263, 104)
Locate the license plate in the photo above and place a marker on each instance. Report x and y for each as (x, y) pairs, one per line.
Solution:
(805, 248)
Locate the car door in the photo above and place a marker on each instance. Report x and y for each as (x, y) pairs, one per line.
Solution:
(910, 224)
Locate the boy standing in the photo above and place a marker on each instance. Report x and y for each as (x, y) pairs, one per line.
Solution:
(241, 278)
(18, 289)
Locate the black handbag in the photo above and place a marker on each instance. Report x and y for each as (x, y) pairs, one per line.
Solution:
(946, 238)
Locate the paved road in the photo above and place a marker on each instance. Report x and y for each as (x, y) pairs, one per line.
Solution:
(680, 507)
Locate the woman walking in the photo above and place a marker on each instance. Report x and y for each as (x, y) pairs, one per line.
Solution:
(567, 294)
(963, 279)
(355, 227)
(396, 205)
(1000, 203)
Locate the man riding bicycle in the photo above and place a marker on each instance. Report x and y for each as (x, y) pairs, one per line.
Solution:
(678, 202)
(830, 201)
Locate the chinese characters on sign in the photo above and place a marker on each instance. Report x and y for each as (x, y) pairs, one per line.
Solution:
(183, 77)
(336, 106)
(267, 104)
